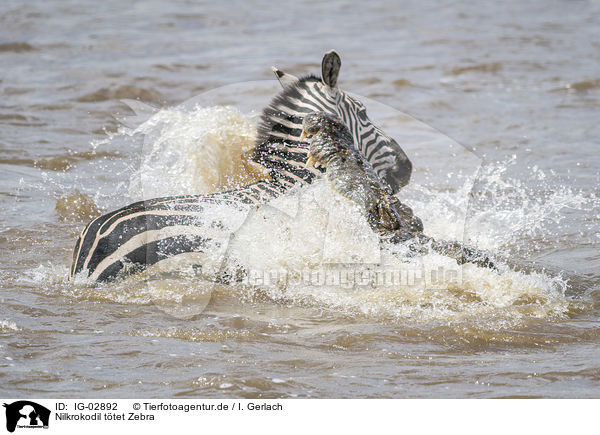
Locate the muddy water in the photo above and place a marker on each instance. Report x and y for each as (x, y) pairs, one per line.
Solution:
(505, 153)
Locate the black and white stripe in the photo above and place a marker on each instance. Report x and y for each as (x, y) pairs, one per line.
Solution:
(280, 149)
(148, 232)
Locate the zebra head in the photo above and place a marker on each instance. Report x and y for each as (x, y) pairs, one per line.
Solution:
(280, 148)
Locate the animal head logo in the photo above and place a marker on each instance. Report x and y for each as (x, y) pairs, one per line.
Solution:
(26, 414)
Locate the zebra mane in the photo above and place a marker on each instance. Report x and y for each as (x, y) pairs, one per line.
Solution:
(267, 123)
(277, 146)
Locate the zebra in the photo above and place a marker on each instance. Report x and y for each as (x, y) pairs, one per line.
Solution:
(280, 148)
(144, 233)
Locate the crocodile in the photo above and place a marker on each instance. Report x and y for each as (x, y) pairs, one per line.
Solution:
(351, 175)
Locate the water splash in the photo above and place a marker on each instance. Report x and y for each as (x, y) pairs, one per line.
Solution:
(76, 207)
(197, 151)
(314, 232)
(8, 325)
(286, 257)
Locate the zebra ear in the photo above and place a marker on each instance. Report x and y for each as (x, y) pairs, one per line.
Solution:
(284, 78)
(330, 68)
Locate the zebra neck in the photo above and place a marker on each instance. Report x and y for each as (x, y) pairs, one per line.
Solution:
(278, 147)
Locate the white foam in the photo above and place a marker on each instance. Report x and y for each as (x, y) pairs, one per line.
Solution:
(191, 152)
(8, 325)
(287, 258)
(313, 231)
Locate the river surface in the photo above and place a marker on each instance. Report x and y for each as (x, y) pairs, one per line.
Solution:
(497, 105)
